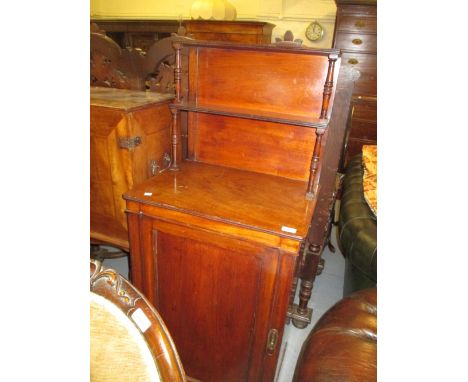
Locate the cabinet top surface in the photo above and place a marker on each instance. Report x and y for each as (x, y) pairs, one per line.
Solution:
(253, 200)
(125, 99)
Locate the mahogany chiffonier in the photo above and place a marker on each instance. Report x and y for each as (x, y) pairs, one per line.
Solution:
(356, 36)
(217, 240)
(129, 135)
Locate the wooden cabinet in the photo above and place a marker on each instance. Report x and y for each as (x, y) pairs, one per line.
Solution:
(143, 33)
(129, 129)
(356, 36)
(216, 241)
(249, 32)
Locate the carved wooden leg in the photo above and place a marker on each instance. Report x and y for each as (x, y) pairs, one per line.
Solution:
(302, 314)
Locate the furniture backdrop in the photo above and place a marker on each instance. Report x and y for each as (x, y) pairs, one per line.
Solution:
(357, 229)
(129, 136)
(142, 34)
(127, 68)
(356, 35)
(343, 344)
(217, 241)
(128, 339)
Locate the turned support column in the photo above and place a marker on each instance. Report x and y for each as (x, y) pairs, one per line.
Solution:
(312, 262)
(175, 131)
(328, 87)
(314, 165)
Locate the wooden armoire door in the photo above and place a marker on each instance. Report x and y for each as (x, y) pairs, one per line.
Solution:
(223, 299)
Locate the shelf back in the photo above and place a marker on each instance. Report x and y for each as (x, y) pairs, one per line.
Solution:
(271, 81)
(258, 146)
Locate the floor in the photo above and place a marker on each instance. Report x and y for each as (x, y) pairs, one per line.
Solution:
(328, 289)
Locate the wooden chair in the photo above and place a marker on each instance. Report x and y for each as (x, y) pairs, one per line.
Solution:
(129, 341)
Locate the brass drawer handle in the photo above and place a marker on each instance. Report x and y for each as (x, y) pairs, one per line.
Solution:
(357, 41)
(360, 24)
(353, 61)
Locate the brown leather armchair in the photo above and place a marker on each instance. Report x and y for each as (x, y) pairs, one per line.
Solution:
(343, 344)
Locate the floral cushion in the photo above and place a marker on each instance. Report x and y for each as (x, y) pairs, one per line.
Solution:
(369, 162)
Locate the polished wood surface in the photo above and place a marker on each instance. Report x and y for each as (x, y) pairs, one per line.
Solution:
(356, 34)
(208, 133)
(217, 239)
(238, 197)
(254, 70)
(117, 114)
(116, 289)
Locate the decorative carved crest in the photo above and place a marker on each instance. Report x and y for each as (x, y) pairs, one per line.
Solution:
(108, 283)
(112, 66)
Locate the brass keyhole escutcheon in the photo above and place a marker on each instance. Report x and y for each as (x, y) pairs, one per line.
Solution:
(272, 341)
(353, 61)
(357, 41)
(360, 24)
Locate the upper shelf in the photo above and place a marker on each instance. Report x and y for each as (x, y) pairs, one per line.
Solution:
(260, 115)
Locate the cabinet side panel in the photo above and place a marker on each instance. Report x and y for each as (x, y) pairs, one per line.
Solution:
(107, 174)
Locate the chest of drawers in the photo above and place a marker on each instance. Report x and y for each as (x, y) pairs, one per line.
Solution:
(356, 36)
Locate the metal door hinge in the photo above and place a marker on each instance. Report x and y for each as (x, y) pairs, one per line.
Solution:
(272, 341)
(129, 143)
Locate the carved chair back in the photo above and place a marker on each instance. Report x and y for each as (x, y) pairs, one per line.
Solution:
(129, 340)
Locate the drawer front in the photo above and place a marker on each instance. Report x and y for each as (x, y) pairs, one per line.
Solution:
(367, 66)
(358, 24)
(363, 129)
(356, 42)
(365, 110)
(351, 9)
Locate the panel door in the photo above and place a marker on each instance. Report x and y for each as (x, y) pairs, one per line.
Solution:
(220, 297)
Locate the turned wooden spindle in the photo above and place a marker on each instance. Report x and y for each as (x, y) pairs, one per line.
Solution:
(314, 165)
(178, 72)
(175, 131)
(328, 87)
(174, 140)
